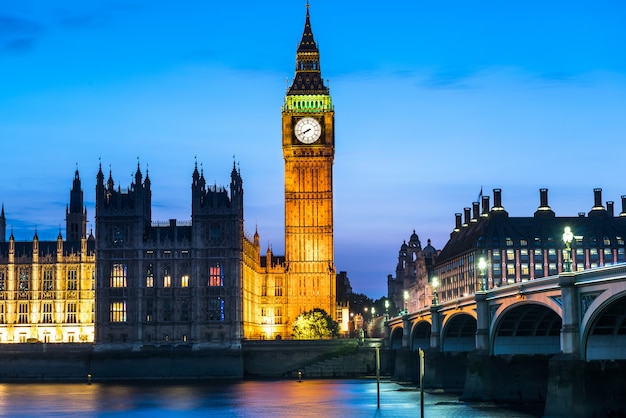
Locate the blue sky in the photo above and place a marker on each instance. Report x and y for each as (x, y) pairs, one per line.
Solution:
(433, 100)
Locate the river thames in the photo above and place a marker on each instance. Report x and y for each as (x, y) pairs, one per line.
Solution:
(285, 398)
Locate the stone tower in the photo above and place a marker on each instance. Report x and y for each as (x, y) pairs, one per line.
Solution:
(308, 150)
(76, 213)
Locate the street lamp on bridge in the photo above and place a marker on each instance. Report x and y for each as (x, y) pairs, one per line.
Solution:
(568, 236)
(435, 284)
(482, 266)
(406, 302)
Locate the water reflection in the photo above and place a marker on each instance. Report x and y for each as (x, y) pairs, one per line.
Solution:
(311, 398)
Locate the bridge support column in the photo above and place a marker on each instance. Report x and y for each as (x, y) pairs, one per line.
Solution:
(406, 331)
(387, 339)
(482, 322)
(570, 330)
(435, 327)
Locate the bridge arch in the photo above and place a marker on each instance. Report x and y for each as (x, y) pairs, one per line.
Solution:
(527, 328)
(604, 331)
(459, 333)
(420, 335)
(395, 339)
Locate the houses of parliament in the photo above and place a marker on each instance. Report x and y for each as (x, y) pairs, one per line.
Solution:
(200, 282)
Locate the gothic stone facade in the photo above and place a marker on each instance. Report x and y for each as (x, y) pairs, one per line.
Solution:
(47, 287)
(173, 284)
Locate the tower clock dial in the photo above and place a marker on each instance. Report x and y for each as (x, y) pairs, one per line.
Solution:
(308, 130)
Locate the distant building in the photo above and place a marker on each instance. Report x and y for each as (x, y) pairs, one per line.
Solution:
(409, 289)
(47, 287)
(518, 249)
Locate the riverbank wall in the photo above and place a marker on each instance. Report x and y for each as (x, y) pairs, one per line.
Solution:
(37, 362)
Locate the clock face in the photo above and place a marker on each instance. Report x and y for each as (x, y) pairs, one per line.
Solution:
(308, 130)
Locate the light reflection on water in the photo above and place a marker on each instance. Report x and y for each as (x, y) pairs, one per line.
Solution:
(286, 398)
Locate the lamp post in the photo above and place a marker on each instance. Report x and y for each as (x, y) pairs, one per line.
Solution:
(482, 266)
(435, 284)
(387, 309)
(373, 312)
(568, 236)
(406, 302)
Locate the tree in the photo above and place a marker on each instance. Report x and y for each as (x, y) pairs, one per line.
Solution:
(314, 324)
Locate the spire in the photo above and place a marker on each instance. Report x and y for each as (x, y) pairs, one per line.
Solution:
(307, 44)
(138, 174)
(308, 78)
(100, 175)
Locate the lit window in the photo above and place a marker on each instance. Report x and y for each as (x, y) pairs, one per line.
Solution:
(525, 270)
(47, 313)
(48, 283)
(184, 281)
(167, 279)
(510, 255)
(118, 275)
(71, 313)
(278, 315)
(216, 275)
(510, 271)
(72, 280)
(23, 279)
(2, 313)
(22, 317)
(118, 312)
(2, 280)
(149, 277)
(278, 286)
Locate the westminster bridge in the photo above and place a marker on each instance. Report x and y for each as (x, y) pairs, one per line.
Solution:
(560, 339)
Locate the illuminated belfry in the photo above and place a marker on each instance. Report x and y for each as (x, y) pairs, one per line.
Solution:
(308, 150)
(46, 287)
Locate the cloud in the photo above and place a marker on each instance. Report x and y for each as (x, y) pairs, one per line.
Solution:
(17, 35)
(448, 79)
(101, 15)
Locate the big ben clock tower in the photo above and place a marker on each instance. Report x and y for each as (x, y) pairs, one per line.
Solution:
(309, 148)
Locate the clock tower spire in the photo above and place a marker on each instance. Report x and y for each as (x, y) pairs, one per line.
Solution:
(308, 120)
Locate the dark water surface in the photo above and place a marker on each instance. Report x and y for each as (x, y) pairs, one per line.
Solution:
(285, 398)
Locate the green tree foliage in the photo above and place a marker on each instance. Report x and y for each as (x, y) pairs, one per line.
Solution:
(313, 325)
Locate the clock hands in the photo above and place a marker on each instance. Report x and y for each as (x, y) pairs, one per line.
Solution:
(306, 131)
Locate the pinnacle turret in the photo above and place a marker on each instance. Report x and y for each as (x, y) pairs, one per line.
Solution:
(308, 78)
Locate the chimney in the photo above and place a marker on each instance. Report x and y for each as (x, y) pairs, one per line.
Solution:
(610, 208)
(581, 214)
(543, 198)
(466, 211)
(597, 199)
(623, 212)
(497, 200)
(475, 211)
(486, 206)
(597, 208)
(544, 209)
(457, 223)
